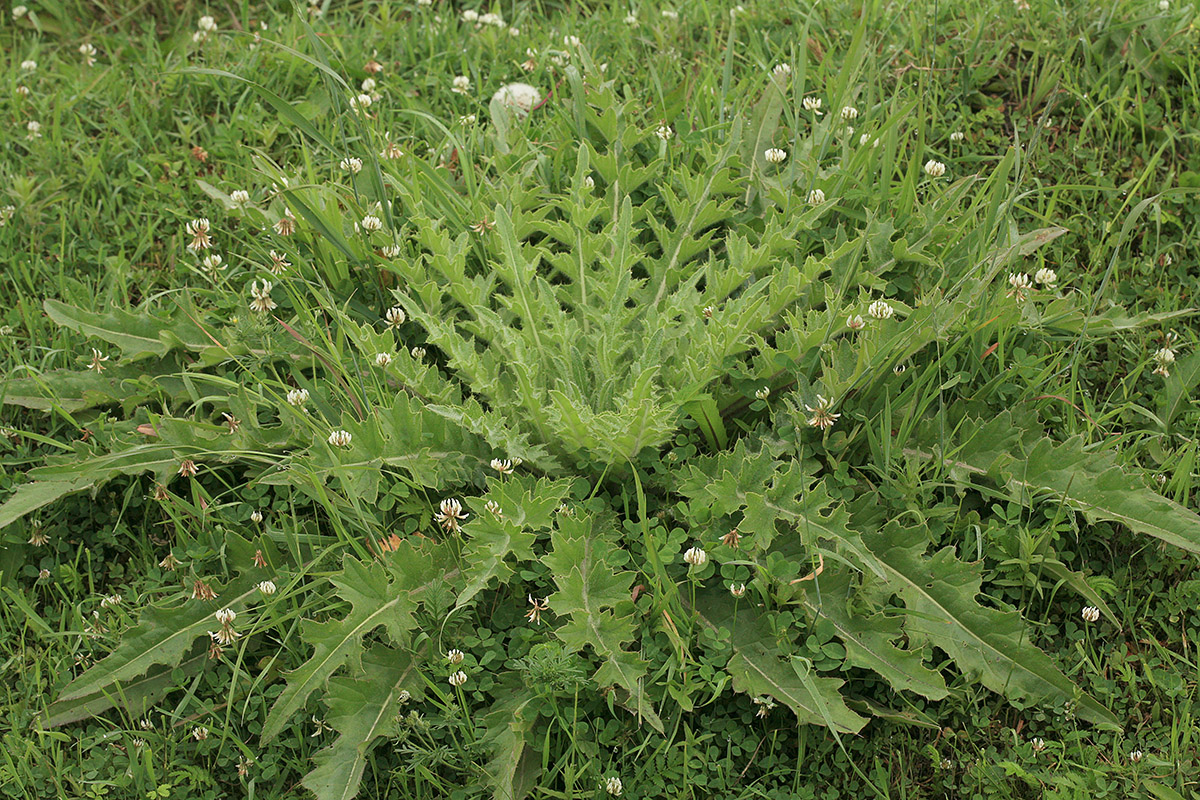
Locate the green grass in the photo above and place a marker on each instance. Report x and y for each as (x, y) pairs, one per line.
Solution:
(1102, 100)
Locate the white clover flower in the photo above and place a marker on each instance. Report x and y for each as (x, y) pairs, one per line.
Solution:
(935, 169)
(466, 119)
(849, 113)
(286, 224)
(458, 679)
(1164, 5)
(239, 197)
(1164, 358)
(213, 263)
(1047, 277)
(455, 657)
(957, 136)
(695, 556)
(351, 165)
(763, 393)
(34, 129)
(1020, 285)
(88, 51)
(226, 616)
(782, 70)
(1090, 614)
(855, 322)
(816, 197)
(450, 514)
(765, 704)
(881, 309)
(493, 19)
(1037, 744)
(19, 11)
(1137, 755)
(395, 317)
(738, 590)
(261, 297)
(812, 104)
(361, 102)
(368, 84)
(613, 786)
(571, 41)
(668, 13)
(199, 733)
(774, 155)
(110, 601)
(469, 15)
(502, 465)
(340, 438)
(383, 360)
(494, 508)
(23, 91)
(520, 97)
(866, 137)
(297, 397)
(6, 214)
(664, 132)
(460, 85)
(418, 352)
(371, 223)
(207, 24)
(28, 65)
(631, 19)
(256, 516)
(279, 262)
(822, 417)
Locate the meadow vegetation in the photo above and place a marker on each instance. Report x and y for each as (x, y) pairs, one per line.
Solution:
(416, 400)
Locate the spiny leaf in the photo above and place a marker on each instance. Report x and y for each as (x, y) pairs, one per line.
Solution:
(165, 633)
(362, 709)
(757, 670)
(1091, 482)
(526, 507)
(139, 334)
(989, 645)
(870, 640)
(595, 597)
(514, 765)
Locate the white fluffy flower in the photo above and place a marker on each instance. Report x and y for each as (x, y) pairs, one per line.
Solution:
(1047, 277)
(239, 197)
(28, 65)
(460, 85)
(340, 438)
(812, 104)
(371, 223)
(782, 70)
(695, 556)
(935, 169)
(880, 309)
(395, 317)
(849, 113)
(207, 24)
(297, 397)
(352, 165)
(458, 678)
(520, 97)
(816, 197)
(775, 155)
(1090, 614)
(957, 136)
(266, 587)
(613, 786)
(383, 360)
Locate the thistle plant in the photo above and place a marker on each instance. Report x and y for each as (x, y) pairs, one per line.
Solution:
(531, 383)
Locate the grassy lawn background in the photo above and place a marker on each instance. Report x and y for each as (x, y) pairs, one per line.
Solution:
(1098, 102)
